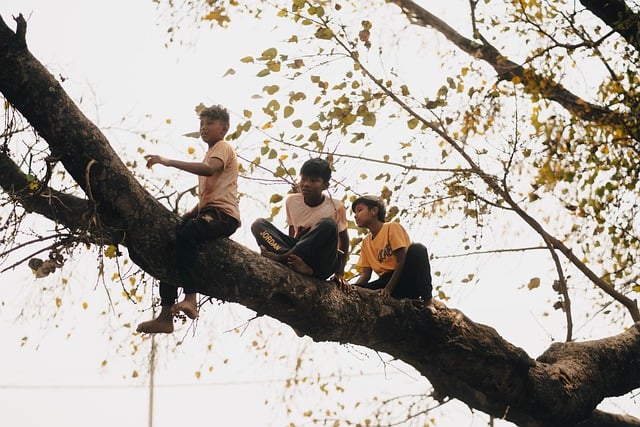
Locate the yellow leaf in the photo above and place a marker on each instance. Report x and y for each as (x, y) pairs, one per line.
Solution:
(288, 111)
(230, 71)
(274, 66)
(191, 150)
(58, 302)
(271, 89)
(134, 374)
(534, 283)
(198, 374)
(270, 53)
(324, 33)
(104, 363)
(369, 119)
(412, 123)
(267, 125)
(247, 59)
(111, 251)
(85, 305)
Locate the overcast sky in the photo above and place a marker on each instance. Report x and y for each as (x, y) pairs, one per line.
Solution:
(113, 58)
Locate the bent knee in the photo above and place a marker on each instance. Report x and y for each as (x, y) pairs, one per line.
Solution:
(327, 222)
(259, 225)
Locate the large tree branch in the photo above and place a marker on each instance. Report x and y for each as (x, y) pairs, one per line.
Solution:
(462, 359)
(506, 69)
(70, 211)
(119, 200)
(617, 15)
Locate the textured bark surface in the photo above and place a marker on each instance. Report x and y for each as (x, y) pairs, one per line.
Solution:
(462, 359)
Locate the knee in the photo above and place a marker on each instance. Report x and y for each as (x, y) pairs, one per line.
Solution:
(418, 249)
(258, 225)
(328, 224)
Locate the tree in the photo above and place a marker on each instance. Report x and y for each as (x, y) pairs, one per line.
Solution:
(462, 359)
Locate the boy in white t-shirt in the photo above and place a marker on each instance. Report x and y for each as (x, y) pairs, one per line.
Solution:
(402, 267)
(317, 240)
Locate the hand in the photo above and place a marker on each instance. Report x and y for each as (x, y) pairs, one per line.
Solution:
(342, 283)
(152, 159)
(301, 231)
(384, 292)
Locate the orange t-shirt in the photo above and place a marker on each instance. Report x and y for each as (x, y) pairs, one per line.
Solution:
(221, 191)
(378, 253)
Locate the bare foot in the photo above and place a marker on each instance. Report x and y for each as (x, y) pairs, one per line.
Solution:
(272, 255)
(188, 306)
(163, 324)
(430, 306)
(297, 264)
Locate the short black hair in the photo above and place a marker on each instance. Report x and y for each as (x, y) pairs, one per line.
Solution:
(316, 168)
(371, 202)
(215, 112)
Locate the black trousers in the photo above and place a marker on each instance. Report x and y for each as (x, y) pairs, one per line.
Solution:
(318, 248)
(192, 232)
(415, 281)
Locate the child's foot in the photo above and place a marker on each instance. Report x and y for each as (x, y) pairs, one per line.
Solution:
(272, 255)
(156, 326)
(189, 308)
(163, 324)
(430, 306)
(297, 264)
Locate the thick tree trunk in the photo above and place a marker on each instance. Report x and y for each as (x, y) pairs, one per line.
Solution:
(462, 359)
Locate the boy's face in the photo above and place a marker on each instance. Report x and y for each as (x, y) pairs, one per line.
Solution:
(364, 215)
(312, 187)
(212, 130)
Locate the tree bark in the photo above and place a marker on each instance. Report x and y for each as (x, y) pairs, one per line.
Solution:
(462, 359)
(617, 15)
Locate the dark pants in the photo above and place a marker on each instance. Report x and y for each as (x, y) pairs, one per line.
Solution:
(318, 247)
(192, 232)
(415, 281)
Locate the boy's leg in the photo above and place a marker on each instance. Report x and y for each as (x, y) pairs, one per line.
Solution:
(192, 233)
(319, 248)
(416, 276)
(270, 239)
(164, 322)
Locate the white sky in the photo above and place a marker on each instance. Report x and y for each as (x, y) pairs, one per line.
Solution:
(112, 54)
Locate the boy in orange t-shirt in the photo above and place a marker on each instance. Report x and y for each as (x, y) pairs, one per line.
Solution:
(402, 267)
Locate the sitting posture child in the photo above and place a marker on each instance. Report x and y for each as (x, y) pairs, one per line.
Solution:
(216, 214)
(317, 241)
(402, 267)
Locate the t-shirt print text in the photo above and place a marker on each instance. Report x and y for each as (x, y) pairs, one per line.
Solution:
(384, 253)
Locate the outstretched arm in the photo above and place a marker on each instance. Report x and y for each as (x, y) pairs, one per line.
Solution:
(214, 165)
